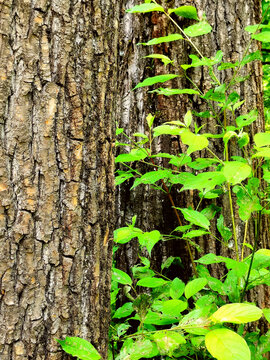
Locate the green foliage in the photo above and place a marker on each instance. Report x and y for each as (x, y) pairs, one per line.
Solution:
(162, 316)
(80, 348)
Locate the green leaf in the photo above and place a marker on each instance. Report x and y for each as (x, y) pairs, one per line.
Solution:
(209, 259)
(247, 198)
(195, 142)
(223, 230)
(261, 259)
(137, 134)
(188, 118)
(173, 307)
(170, 92)
(228, 65)
(150, 119)
(262, 139)
(140, 349)
(151, 177)
(124, 311)
(197, 321)
(266, 313)
(253, 28)
(195, 217)
(168, 262)
(155, 318)
(228, 135)
(123, 177)
(262, 152)
(188, 12)
(80, 348)
(151, 282)
(134, 155)
(224, 344)
(202, 163)
(156, 79)
(149, 239)
(245, 120)
(204, 181)
(235, 171)
(243, 140)
(196, 61)
(198, 29)
(179, 161)
(140, 272)
(168, 341)
(165, 59)
(177, 288)
(167, 130)
(264, 36)
(125, 234)
(194, 286)
(257, 55)
(237, 313)
(163, 39)
(119, 131)
(144, 8)
(195, 233)
(121, 277)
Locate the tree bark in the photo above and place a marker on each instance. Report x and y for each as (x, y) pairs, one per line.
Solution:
(58, 73)
(228, 20)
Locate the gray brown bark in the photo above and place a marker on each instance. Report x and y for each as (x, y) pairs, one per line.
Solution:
(228, 20)
(57, 89)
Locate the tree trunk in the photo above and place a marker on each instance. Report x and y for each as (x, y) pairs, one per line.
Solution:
(58, 74)
(228, 20)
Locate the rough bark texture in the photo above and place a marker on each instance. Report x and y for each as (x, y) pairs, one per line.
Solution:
(228, 20)
(58, 75)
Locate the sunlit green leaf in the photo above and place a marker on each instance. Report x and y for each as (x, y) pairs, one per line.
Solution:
(223, 230)
(165, 59)
(134, 155)
(225, 344)
(80, 348)
(121, 277)
(196, 142)
(168, 341)
(235, 171)
(125, 234)
(144, 8)
(173, 307)
(177, 288)
(237, 313)
(262, 139)
(264, 36)
(198, 29)
(188, 12)
(167, 130)
(124, 311)
(162, 39)
(151, 282)
(156, 79)
(149, 239)
(245, 120)
(194, 286)
(170, 92)
(195, 217)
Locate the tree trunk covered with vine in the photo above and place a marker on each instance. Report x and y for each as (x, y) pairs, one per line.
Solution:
(58, 72)
(153, 209)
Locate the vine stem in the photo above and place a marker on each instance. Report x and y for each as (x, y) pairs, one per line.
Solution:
(230, 197)
(257, 234)
(233, 223)
(245, 236)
